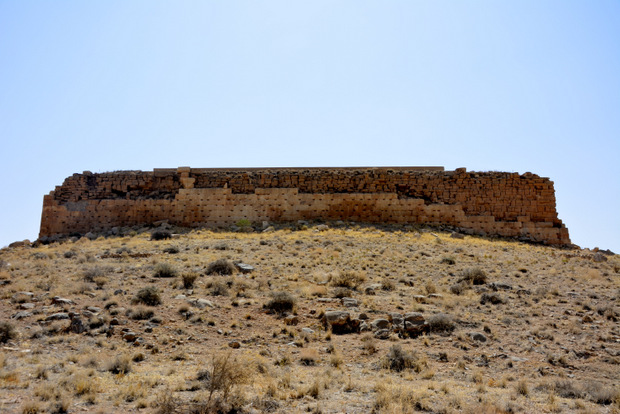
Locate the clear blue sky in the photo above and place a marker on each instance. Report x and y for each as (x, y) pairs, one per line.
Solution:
(487, 85)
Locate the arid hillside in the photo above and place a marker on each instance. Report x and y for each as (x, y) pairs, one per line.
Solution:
(307, 318)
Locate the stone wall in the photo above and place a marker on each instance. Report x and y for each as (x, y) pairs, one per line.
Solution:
(494, 203)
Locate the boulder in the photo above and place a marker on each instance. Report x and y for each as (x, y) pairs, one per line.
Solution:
(340, 322)
(379, 324)
(477, 336)
(76, 326)
(415, 325)
(349, 302)
(57, 316)
(383, 334)
(244, 267)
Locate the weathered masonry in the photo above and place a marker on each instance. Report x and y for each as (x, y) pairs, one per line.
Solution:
(493, 203)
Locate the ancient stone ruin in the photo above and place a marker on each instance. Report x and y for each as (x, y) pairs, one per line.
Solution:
(487, 203)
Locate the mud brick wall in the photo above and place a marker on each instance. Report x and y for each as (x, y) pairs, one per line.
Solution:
(493, 203)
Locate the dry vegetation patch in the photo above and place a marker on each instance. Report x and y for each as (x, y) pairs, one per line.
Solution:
(354, 318)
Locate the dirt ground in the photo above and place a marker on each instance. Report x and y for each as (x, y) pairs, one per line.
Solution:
(131, 324)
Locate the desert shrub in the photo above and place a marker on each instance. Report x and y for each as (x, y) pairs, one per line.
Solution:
(224, 376)
(120, 365)
(244, 223)
(493, 298)
(166, 402)
(522, 388)
(308, 356)
(458, 288)
(149, 296)
(171, 250)
(281, 302)
(441, 323)
(94, 272)
(449, 260)
(600, 394)
(388, 285)
(341, 292)
(217, 288)
(221, 267)
(397, 359)
(348, 279)
(189, 279)
(568, 389)
(59, 407)
(69, 254)
(7, 332)
(475, 276)
(164, 270)
(140, 314)
(31, 407)
(430, 288)
(161, 234)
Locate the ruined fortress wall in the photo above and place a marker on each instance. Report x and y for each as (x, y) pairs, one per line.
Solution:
(494, 203)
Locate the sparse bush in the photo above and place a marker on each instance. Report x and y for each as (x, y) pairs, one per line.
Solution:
(348, 279)
(166, 403)
(397, 359)
(149, 296)
(164, 270)
(161, 234)
(430, 288)
(475, 276)
(7, 332)
(441, 323)
(120, 365)
(93, 273)
(140, 314)
(281, 302)
(189, 279)
(171, 250)
(221, 267)
(244, 223)
(69, 254)
(388, 285)
(493, 298)
(369, 344)
(341, 292)
(449, 260)
(31, 407)
(308, 356)
(522, 388)
(217, 288)
(458, 288)
(226, 374)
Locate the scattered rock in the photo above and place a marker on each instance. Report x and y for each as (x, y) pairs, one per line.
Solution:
(201, 303)
(244, 267)
(57, 300)
(340, 322)
(349, 302)
(457, 235)
(234, 344)
(76, 326)
(21, 315)
(383, 334)
(57, 316)
(380, 324)
(26, 306)
(130, 336)
(599, 257)
(477, 336)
